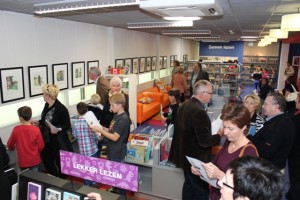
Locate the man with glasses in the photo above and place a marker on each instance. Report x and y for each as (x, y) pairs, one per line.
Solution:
(193, 138)
(249, 178)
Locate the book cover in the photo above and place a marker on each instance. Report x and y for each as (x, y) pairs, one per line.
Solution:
(52, 194)
(70, 196)
(34, 191)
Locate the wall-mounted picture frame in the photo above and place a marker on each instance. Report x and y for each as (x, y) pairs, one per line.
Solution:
(128, 65)
(160, 66)
(37, 77)
(135, 65)
(119, 63)
(90, 64)
(296, 60)
(165, 62)
(172, 58)
(153, 65)
(12, 84)
(60, 75)
(185, 58)
(78, 73)
(148, 64)
(142, 65)
(175, 57)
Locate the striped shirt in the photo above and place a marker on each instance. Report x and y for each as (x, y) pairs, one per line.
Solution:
(86, 139)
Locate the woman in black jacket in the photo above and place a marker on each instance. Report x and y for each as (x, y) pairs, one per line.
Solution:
(5, 185)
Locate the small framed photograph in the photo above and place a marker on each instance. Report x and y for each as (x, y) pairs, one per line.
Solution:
(90, 64)
(78, 73)
(142, 64)
(38, 76)
(135, 65)
(165, 62)
(185, 58)
(119, 63)
(296, 60)
(175, 57)
(148, 64)
(160, 62)
(128, 65)
(172, 58)
(153, 66)
(60, 75)
(12, 84)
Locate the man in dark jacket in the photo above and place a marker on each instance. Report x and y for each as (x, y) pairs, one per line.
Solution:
(193, 138)
(197, 74)
(275, 139)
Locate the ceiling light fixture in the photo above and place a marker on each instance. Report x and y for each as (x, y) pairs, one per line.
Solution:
(187, 32)
(203, 37)
(50, 10)
(182, 18)
(290, 22)
(249, 37)
(270, 39)
(278, 33)
(141, 25)
(212, 40)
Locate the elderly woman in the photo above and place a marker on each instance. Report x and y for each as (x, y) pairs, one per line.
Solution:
(236, 121)
(116, 85)
(54, 123)
(252, 103)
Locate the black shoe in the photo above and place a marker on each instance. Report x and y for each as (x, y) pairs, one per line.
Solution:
(112, 190)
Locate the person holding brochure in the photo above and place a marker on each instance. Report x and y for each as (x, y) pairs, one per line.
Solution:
(236, 122)
(86, 139)
(193, 138)
(117, 133)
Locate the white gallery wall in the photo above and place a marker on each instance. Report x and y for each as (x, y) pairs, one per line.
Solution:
(26, 40)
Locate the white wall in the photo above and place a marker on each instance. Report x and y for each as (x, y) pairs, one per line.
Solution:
(27, 40)
(270, 50)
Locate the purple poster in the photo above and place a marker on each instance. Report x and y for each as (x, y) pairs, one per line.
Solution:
(104, 171)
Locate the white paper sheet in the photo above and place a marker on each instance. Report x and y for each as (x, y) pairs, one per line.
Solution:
(92, 120)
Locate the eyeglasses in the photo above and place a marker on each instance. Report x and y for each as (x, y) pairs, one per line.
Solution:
(208, 92)
(222, 182)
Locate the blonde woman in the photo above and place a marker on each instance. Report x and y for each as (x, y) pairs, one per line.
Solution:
(252, 103)
(55, 139)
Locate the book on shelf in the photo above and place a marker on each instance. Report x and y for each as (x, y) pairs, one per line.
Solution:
(69, 196)
(53, 194)
(34, 191)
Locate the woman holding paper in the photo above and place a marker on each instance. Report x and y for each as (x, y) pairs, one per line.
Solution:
(236, 122)
(54, 123)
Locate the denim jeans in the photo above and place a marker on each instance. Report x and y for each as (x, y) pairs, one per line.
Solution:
(88, 182)
(33, 168)
(194, 188)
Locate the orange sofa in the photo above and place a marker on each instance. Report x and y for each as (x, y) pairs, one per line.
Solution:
(146, 111)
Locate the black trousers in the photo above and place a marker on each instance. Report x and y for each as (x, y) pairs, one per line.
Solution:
(194, 188)
(51, 159)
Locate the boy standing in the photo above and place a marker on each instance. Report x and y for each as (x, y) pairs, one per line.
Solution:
(28, 141)
(117, 133)
(86, 139)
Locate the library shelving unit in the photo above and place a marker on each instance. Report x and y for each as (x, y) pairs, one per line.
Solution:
(250, 63)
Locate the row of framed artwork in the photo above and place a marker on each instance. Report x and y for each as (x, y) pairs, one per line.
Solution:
(144, 64)
(12, 79)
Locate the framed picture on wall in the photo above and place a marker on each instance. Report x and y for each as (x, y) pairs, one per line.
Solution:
(78, 73)
(296, 60)
(160, 66)
(185, 58)
(175, 57)
(90, 64)
(172, 58)
(153, 65)
(142, 64)
(165, 62)
(60, 75)
(12, 84)
(128, 65)
(119, 63)
(135, 65)
(38, 76)
(148, 64)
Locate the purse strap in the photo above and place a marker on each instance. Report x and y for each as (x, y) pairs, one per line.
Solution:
(294, 88)
(244, 147)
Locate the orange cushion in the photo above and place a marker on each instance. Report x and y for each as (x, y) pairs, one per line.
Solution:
(161, 86)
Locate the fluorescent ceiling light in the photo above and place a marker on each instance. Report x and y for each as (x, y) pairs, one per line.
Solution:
(50, 10)
(182, 18)
(270, 39)
(212, 40)
(140, 25)
(278, 33)
(291, 22)
(249, 37)
(203, 37)
(187, 32)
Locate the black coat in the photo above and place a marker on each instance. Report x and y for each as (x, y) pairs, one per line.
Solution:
(192, 136)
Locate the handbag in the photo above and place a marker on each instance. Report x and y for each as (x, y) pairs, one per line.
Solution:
(292, 96)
